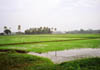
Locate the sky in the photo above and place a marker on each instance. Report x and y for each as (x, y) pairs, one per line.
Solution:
(65, 15)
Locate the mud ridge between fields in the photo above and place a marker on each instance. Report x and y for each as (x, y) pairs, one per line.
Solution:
(11, 50)
(44, 41)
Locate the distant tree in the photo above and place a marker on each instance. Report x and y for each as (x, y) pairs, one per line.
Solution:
(19, 28)
(82, 30)
(7, 32)
(55, 29)
(1, 33)
(5, 27)
(40, 30)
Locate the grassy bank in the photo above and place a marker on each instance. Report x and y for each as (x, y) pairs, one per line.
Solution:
(15, 61)
(82, 64)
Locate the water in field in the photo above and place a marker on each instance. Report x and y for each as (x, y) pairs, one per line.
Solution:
(67, 55)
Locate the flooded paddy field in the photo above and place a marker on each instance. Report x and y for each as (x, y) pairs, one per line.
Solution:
(68, 55)
(53, 51)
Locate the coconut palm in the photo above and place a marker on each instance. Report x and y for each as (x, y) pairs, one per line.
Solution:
(19, 28)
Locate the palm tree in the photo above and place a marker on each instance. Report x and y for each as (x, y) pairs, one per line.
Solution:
(19, 28)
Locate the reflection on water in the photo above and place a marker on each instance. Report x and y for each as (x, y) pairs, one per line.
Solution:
(67, 55)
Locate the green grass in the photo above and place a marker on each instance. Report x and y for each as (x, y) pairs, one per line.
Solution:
(82, 64)
(30, 38)
(43, 37)
(55, 46)
(50, 46)
(16, 61)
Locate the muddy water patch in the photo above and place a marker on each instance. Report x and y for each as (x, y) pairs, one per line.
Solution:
(68, 55)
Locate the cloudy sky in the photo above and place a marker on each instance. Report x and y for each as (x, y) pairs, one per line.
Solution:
(63, 14)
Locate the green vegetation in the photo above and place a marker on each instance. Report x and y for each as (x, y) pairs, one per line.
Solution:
(92, 41)
(40, 30)
(82, 64)
(16, 61)
(43, 37)
(53, 46)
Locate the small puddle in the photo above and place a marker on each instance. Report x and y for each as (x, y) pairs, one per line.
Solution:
(68, 55)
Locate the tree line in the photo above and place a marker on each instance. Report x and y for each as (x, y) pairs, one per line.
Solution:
(82, 31)
(39, 30)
